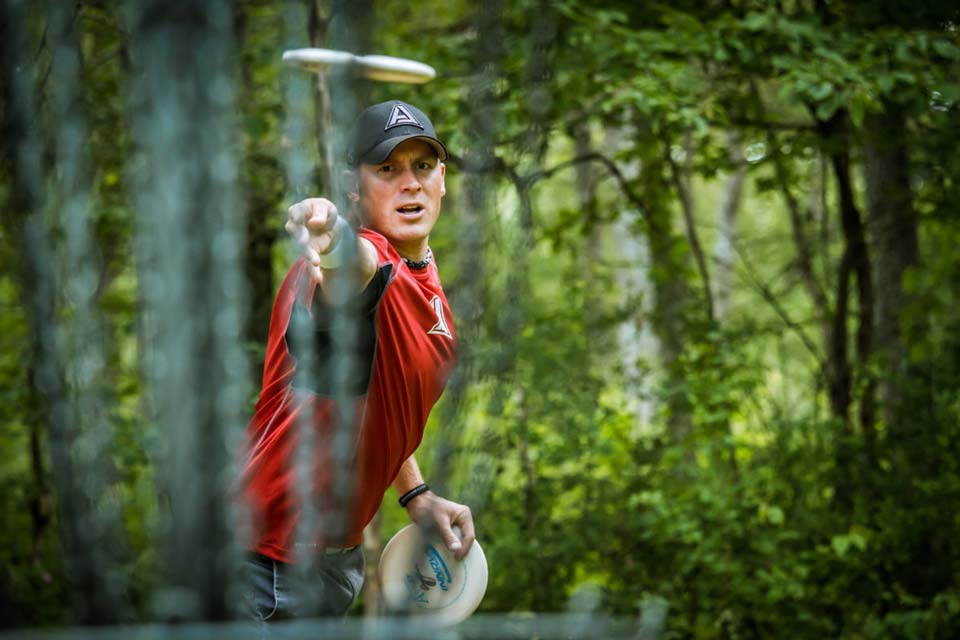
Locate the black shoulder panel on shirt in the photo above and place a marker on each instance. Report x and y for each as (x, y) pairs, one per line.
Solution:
(316, 373)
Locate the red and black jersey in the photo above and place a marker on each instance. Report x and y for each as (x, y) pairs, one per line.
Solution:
(405, 349)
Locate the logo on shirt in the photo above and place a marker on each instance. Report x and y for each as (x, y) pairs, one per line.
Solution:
(441, 328)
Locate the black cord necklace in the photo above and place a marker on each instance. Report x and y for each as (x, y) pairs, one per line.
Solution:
(419, 265)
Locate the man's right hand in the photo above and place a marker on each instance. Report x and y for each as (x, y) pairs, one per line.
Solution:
(312, 225)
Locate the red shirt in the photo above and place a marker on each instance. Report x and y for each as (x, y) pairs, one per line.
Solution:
(414, 351)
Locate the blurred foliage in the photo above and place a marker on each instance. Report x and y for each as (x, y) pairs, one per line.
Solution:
(723, 505)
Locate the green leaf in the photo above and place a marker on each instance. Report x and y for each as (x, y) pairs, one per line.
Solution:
(827, 108)
(946, 49)
(950, 92)
(857, 111)
(858, 540)
(756, 21)
(840, 544)
(821, 90)
(885, 82)
(775, 516)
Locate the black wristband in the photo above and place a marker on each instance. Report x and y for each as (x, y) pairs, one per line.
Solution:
(413, 493)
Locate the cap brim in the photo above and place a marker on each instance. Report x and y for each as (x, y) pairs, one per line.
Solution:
(382, 151)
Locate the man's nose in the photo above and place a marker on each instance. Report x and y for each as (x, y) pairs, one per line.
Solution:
(409, 180)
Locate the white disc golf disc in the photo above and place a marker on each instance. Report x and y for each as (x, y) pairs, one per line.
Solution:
(419, 575)
(317, 59)
(390, 69)
(373, 67)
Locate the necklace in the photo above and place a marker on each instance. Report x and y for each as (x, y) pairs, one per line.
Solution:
(419, 265)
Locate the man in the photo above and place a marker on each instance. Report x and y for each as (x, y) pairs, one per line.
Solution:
(405, 348)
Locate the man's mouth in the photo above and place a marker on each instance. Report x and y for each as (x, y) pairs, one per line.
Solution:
(410, 209)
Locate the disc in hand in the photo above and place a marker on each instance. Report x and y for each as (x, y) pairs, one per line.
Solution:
(420, 576)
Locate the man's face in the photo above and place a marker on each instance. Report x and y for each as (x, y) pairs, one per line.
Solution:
(400, 198)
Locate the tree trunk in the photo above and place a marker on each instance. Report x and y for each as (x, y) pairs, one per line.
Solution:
(894, 242)
(637, 341)
(724, 249)
(855, 263)
(670, 285)
(587, 259)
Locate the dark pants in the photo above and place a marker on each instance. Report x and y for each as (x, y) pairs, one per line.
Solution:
(278, 591)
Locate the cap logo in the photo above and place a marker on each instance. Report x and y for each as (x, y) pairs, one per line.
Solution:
(399, 117)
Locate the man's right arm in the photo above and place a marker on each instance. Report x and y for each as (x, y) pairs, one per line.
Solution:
(315, 225)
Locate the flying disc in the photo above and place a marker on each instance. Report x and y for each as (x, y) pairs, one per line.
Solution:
(372, 67)
(390, 69)
(420, 576)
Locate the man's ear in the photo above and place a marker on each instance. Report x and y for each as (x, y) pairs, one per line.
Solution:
(443, 182)
(350, 184)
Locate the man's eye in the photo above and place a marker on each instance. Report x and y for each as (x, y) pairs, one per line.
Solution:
(425, 166)
(385, 168)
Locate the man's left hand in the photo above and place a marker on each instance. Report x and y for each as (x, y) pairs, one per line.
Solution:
(430, 511)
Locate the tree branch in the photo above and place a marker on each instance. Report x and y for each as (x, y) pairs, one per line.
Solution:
(766, 125)
(496, 164)
(804, 253)
(632, 197)
(686, 205)
(767, 294)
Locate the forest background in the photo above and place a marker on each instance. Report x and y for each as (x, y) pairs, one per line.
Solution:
(702, 258)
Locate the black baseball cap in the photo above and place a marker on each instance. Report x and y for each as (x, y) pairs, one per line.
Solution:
(380, 128)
